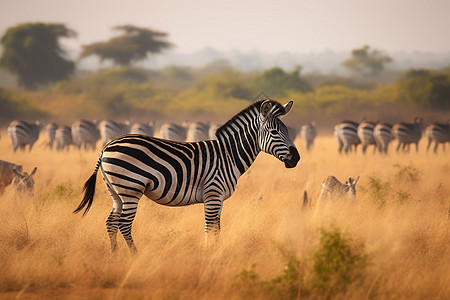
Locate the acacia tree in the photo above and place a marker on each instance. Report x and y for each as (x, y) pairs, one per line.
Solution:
(366, 61)
(32, 52)
(133, 44)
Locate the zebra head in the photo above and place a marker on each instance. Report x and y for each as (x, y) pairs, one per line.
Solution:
(351, 186)
(273, 136)
(24, 182)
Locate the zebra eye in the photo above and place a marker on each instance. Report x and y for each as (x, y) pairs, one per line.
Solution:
(274, 132)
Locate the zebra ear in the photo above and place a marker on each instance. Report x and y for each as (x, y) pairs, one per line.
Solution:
(17, 172)
(356, 181)
(34, 171)
(288, 106)
(266, 106)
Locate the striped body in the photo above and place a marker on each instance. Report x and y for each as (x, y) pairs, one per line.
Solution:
(365, 134)
(109, 130)
(23, 133)
(63, 137)
(51, 132)
(173, 132)
(408, 133)
(333, 188)
(183, 173)
(439, 133)
(383, 136)
(147, 129)
(346, 134)
(85, 133)
(308, 134)
(198, 131)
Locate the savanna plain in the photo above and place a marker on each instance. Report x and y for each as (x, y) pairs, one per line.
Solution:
(392, 242)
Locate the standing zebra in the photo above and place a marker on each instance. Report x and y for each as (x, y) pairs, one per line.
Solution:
(143, 128)
(51, 131)
(110, 130)
(181, 173)
(23, 133)
(308, 133)
(365, 135)
(198, 131)
(407, 133)
(383, 136)
(439, 133)
(63, 137)
(346, 134)
(85, 133)
(173, 132)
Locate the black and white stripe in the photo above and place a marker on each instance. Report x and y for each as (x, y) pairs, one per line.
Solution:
(308, 134)
(183, 173)
(365, 135)
(63, 137)
(173, 132)
(23, 133)
(383, 136)
(51, 131)
(85, 133)
(346, 134)
(143, 128)
(110, 130)
(198, 131)
(439, 133)
(408, 133)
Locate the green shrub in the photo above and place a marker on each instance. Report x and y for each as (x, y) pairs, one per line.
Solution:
(378, 190)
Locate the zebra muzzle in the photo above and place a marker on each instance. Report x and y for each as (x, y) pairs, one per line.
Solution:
(291, 160)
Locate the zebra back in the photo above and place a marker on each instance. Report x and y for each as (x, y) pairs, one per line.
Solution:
(198, 131)
(85, 133)
(110, 130)
(346, 133)
(147, 129)
(173, 132)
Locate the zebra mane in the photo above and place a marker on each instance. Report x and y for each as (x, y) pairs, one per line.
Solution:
(277, 107)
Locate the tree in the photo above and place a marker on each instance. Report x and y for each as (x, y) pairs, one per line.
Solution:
(366, 61)
(276, 81)
(134, 44)
(32, 52)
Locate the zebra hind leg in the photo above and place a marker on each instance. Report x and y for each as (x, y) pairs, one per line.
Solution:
(125, 223)
(112, 223)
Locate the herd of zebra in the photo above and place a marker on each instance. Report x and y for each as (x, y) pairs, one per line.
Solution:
(85, 133)
(366, 133)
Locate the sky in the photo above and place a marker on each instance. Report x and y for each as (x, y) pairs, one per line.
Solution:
(301, 26)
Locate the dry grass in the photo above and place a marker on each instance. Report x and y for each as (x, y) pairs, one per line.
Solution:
(47, 252)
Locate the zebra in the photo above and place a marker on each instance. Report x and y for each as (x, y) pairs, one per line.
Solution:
(183, 173)
(407, 133)
(110, 130)
(24, 182)
(143, 128)
(174, 132)
(85, 133)
(197, 131)
(383, 136)
(51, 131)
(365, 135)
(23, 133)
(308, 133)
(212, 131)
(439, 133)
(332, 187)
(63, 137)
(346, 135)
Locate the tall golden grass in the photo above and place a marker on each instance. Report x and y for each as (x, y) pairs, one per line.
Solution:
(48, 252)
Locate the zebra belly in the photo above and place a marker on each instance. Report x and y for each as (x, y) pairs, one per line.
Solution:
(192, 196)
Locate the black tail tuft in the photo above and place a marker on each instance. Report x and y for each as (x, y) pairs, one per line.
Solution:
(88, 198)
(305, 200)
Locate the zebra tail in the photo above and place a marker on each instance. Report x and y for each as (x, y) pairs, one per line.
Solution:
(89, 190)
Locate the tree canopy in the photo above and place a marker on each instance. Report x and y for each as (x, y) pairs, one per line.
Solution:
(276, 81)
(366, 61)
(132, 45)
(32, 52)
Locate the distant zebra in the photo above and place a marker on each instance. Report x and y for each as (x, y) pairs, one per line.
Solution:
(346, 134)
(110, 130)
(308, 133)
(197, 131)
(51, 131)
(63, 137)
(143, 128)
(181, 173)
(383, 136)
(85, 133)
(212, 131)
(332, 187)
(408, 133)
(439, 133)
(173, 132)
(366, 136)
(23, 133)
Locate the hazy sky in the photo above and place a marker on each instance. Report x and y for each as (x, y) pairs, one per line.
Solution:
(269, 26)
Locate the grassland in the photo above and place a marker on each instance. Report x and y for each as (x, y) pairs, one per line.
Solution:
(392, 243)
